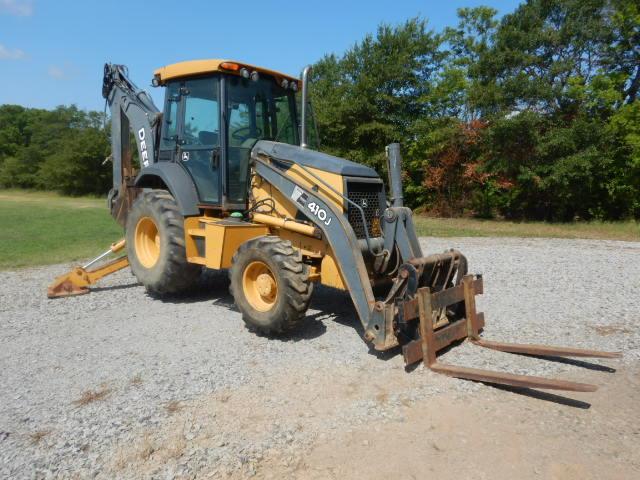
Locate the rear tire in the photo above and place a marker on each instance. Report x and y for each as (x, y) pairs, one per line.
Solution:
(270, 285)
(156, 245)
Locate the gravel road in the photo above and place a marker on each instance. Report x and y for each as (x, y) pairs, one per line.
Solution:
(116, 384)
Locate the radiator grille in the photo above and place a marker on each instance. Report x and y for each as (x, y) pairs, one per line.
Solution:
(369, 197)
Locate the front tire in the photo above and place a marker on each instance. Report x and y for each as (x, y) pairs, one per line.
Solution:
(156, 245)
(270, 285)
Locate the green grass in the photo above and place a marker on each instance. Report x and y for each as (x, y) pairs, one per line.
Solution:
(38, 228)
(465, 227)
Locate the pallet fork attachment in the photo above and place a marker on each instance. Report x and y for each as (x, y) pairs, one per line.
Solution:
(77, 281)
(434, 339)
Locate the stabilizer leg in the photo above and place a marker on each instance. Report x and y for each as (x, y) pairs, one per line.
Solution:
(77, 281)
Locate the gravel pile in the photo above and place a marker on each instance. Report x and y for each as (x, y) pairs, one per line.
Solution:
(95, 385)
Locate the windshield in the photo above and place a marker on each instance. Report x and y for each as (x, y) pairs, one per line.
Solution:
(261, 110)
(256, 110)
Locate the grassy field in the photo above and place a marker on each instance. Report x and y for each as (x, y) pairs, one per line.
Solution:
(467, 227)
(39, 228)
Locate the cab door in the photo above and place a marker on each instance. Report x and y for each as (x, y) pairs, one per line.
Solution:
(192, 133)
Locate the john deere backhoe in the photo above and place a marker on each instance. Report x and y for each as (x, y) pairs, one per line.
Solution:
(227, 179)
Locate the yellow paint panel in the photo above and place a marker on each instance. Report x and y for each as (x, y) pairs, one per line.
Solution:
(330, 273)
(200, 67)
(309, 246)
(284, 207)
(191, 230)
(262, 190)
(222, 239)
(334, 180)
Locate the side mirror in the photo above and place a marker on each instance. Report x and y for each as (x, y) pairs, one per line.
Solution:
(305, 105)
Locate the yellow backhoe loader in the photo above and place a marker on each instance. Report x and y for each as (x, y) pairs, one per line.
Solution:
(228, 178)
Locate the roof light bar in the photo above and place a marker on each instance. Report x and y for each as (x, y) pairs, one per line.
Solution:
(234, 67)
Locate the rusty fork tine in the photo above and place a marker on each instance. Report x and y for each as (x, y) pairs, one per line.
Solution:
(504, 378)
(544, 350)
(431, 340)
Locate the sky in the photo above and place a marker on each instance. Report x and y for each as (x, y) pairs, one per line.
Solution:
(52, 52)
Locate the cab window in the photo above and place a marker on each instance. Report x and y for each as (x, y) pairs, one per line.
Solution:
(170, 117)
(257, 110)
(198, 150)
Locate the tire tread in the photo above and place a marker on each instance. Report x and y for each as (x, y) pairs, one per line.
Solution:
(297, 287)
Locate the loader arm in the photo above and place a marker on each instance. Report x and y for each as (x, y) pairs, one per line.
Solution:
(431, 303)
(378, 317)
(341, 237)
(132, 109)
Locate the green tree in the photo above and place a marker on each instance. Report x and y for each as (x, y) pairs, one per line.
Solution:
(61, 149)
(562, 69)
(370, 96)
(77, 167)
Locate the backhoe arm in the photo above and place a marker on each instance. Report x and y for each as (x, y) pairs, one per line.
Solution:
(132, 109)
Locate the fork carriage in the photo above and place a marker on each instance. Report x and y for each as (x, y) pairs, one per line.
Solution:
(438, 332)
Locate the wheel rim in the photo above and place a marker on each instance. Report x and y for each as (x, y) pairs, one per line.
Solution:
(260, 286)
(147, 240)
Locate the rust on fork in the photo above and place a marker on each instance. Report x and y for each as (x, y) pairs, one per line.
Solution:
(433, 339)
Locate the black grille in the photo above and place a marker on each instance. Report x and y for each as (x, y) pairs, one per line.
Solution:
(370, 198)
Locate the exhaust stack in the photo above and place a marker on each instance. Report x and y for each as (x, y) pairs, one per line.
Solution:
(394, 167)
(305, 101)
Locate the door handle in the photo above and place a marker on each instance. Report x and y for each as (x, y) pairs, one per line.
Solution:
(215, 158)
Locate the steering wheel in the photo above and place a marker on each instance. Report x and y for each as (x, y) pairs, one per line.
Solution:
(238, 135)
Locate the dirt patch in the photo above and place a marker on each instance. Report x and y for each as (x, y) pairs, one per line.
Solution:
(52, 199)
(606, 330)
(37, 436)
(346, 425)
(173, 406)
(493, 434)
(136, 381)
(90, 396)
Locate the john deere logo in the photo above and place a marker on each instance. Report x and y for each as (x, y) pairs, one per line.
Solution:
(364, 203)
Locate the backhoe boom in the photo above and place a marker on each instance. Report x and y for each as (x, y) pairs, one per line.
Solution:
(132, 109)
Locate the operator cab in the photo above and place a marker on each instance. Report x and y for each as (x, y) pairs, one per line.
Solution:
(214, 113)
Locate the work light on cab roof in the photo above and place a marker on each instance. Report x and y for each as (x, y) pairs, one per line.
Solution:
(198, 67)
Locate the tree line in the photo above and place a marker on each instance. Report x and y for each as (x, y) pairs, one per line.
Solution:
(62, 149)
(531, 116)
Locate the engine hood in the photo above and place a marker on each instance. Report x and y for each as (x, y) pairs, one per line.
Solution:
(312, 159)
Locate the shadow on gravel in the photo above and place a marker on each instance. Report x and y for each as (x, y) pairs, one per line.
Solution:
(578, 363)
(115, 287)
(331, 305)
(212, 285)
(546, 396)
(336, 306)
